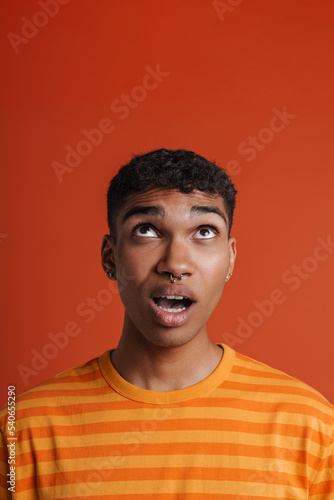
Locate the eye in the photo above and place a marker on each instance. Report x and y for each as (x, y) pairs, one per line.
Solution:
(145, 231)
(205, 233)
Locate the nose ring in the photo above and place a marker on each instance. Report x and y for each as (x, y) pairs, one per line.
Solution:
(173, 280)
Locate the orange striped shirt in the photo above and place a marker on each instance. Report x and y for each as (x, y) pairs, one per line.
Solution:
(247, 431)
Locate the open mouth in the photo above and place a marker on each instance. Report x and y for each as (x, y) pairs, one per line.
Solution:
(173, 303)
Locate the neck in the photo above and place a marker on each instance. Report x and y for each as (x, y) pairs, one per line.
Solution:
(164, 368)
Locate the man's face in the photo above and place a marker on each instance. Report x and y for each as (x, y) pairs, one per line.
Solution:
(162, 232)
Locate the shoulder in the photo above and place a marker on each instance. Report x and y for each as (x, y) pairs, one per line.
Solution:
(66, 387)
(274, 387)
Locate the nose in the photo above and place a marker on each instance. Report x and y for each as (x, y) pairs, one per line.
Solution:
(175, 259)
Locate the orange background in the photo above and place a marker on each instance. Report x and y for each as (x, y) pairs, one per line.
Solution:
(225, 70)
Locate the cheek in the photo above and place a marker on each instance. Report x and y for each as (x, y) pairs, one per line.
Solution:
(132, 260)
(214, 271)
(134, 267)
(216, 263)
(140, 266)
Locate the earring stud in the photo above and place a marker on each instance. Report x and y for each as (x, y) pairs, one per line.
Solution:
(228, 276)
(111, 274)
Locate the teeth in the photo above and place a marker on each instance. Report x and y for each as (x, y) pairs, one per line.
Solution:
(172, 310)
(172, 297)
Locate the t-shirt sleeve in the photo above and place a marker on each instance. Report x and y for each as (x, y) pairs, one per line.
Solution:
(323, 485)
(4, 492)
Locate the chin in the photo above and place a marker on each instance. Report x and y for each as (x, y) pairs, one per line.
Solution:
(170, 339)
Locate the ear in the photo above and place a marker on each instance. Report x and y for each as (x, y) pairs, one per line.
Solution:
(108, 256)
(232, 244)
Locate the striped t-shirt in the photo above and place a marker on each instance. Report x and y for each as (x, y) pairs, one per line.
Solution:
(247, 431)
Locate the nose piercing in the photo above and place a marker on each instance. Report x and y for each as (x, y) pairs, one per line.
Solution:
(172, 279)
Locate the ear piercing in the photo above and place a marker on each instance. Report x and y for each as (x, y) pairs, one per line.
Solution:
(111, 274)
(228, 276)
(172, 279)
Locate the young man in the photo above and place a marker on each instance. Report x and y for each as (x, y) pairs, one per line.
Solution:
(168, 414)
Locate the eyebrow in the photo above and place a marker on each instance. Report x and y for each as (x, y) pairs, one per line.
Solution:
(150, 210)
(157, 210)
(208, 210)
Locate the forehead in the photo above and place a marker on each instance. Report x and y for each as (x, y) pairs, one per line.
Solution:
(170, 199)
(163, 196)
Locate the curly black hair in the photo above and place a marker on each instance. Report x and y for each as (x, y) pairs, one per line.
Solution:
(171, 169)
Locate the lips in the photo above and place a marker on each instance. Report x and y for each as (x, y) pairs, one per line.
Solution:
(172, 305)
